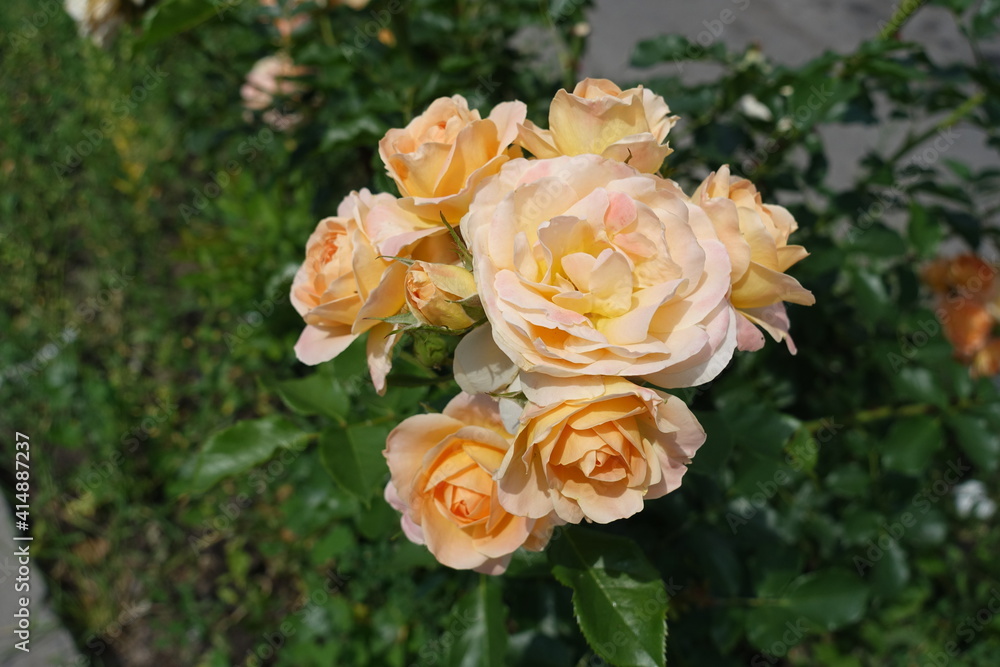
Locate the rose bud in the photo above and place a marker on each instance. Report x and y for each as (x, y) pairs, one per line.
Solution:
(433, 292)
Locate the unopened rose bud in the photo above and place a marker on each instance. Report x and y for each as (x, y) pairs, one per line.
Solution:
(432, 293)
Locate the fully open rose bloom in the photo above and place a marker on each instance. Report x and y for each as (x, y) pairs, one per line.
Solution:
(348, 279)
(445, 152)
(756, 236)
(595, 448)
(600, 118)
(442, 468)
(587, 267)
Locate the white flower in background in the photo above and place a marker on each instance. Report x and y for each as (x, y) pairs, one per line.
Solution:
(100, 19)
(270, 77)
(971, 499)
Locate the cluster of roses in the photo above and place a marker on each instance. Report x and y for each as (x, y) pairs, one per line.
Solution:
(578, 278)
(968, 307)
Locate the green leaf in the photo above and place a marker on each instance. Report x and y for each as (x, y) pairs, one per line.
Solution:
(770, 627)
(315, 395)
(919, 384)
(242, 446)
(171, 17)
(911, 443)
(977, 439)
(925, 234)
(482, 636)
(891, 572)
(619, 599)
(718, 444)
(830, 598)
(674, 47)
(353, 457)
(872, 298)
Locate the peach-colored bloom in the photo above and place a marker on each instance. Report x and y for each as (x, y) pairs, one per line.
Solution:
(967, 325)
(433, 292)
(600, 118)
(446, 151)
(270, 77)
(442, 468)
(595, 448)
(967, 275)
(756, 236)
(587, 267)
(349, 280)
(986, 362)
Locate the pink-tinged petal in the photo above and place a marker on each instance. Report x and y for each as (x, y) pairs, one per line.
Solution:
(494, 566)
(381, 340)
(411, 529)
(774, 320)
(316, 345)
(748, 337)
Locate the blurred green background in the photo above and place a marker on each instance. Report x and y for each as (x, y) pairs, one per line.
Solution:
(149, 230)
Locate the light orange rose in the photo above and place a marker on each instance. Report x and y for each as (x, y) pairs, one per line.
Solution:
(271, 77)
(441, 156)
(756, 236)
(433, 292)
(442, 468)
(349, 279)
(986, 362)
(600, 118)
(595, 448)
(587, 267)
